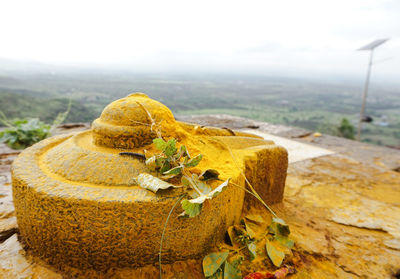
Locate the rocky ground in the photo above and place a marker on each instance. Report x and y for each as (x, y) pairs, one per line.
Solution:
(342, 203)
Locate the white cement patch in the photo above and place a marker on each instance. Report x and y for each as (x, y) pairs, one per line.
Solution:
(297, 151)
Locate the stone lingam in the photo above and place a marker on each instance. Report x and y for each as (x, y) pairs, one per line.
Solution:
(78, 204)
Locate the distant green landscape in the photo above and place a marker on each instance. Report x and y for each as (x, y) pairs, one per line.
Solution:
(314, 105)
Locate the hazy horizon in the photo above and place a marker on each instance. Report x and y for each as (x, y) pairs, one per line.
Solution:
(288, 38)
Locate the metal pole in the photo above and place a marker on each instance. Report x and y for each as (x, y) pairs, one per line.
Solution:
(365, 96)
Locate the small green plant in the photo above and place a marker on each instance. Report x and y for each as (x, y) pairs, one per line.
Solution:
(172, 162)
(346, 129)
(22, 133)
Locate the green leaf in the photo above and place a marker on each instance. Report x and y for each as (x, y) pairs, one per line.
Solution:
(236, 260)
(203, 187)
(250, 229)
(255, 218)
(170, 148)
(217, 275)
(211, 194)
(185, 181)
(174, 171)
(18, 122)
(194, 161)
(279, 227)
(159, 143)
(194, 182)
(209, 174)
(274, 253)
(190, 209)
(212, 262)
(238, 236)
(165, 166)
(23, 133)
(160, 161)
(183, 152)
(253, 250)
(231, 272)
(285, 241)
(151, 163)
(149, 182)
(156, 162)
(255, 225)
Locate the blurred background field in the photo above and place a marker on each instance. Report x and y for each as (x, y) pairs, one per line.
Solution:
(311, 103)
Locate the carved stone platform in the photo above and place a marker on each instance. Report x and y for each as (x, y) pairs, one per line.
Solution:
(77, 202)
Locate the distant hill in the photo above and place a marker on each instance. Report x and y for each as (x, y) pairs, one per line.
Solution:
(15, 105)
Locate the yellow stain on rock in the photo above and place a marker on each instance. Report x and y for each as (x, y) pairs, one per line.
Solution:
(77, 202)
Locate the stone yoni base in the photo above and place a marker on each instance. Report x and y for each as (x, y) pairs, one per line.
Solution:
(77, 203)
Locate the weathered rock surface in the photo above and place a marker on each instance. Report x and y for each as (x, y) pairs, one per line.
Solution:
(343, 210)
(347, 213)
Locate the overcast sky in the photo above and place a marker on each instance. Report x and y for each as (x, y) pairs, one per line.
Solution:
(307, 36)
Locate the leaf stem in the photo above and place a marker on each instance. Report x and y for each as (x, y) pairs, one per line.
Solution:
(4, 120)
(195, 188)
(240, 249)
(253, 191)
(60, 117)
(163, 232)
(256, 196)
(9, 124)
(138, 122)
(192, 183)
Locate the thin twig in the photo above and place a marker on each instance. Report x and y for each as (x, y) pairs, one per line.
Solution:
(163, 233)
(9, 124)
(192, 183)
(153, 122)
(247, 191)
(133, 154)
(60, 118)
(138, 122)
(254, 192)
(5, 120)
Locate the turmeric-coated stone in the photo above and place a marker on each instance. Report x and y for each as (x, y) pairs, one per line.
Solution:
(78, 204)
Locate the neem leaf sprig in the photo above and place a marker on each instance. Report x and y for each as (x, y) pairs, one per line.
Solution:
(173, 162)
